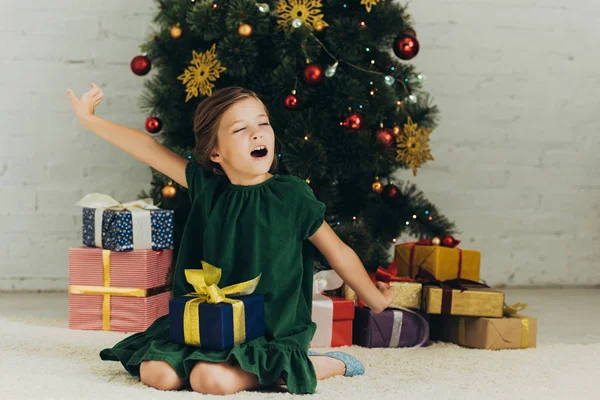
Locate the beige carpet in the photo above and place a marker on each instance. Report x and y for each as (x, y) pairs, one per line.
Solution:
(42, 359)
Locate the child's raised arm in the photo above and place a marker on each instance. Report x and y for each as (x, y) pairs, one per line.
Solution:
(140, 145)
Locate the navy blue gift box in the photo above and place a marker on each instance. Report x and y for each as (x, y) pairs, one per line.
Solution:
(216, 321)
(117, 229)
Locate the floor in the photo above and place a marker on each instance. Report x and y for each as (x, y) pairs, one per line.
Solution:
(564, 315)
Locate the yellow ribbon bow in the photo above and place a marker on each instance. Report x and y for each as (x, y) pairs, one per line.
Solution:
(206, 290)
(512, 311)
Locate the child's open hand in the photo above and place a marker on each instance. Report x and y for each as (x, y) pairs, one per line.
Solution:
(388, 293)
(86, 105)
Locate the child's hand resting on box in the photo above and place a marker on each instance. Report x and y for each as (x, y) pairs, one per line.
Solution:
(389, 292)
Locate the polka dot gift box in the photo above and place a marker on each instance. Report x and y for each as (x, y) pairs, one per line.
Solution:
(139, 224)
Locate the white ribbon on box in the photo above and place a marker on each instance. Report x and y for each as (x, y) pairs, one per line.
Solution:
(322, 306)
(140, 217)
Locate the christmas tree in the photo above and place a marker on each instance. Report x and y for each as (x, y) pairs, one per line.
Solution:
(347, 108)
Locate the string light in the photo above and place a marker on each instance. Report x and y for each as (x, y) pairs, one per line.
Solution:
(362, 23)
(414, 216)
(306, 137)
(354, 218)
(407, 223)
(394, 240)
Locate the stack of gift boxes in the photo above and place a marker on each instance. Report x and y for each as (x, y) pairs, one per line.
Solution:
(120, 279)
(439, 296)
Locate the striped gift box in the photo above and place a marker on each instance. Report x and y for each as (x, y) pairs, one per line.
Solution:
(118, 291)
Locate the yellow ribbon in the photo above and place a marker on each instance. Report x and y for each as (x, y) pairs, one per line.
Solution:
(511, 311)
(205, 283)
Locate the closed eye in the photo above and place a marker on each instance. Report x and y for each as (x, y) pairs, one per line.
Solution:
(241, 129)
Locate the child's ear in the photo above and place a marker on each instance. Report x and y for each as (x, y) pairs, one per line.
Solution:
(216, 157)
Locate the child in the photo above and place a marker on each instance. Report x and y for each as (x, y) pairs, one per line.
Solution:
(246, 220)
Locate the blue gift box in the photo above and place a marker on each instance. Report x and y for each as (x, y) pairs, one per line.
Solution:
(216, 321)
(118, 229)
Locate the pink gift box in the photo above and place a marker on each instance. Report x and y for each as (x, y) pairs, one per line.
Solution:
(118, 291)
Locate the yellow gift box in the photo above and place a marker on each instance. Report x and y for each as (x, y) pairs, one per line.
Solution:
(510, 332)
(475, 301)
(443, 262)
(408, 295)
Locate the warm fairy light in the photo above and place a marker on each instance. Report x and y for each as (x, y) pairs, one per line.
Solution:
(362, 23)
(372, 93)
(414, 216)
(354, 218)
(430, 218)
(407, 223)
(307, 180)
(306, 137)
(394, 240)
(372, 61)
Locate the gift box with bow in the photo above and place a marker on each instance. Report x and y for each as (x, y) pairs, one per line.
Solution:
(111, 225)
(444, 259)
(407, 290)
(333, 315)
(213, 317)
(459, 297)
(118, 291)
(513, 331)
(390, 328)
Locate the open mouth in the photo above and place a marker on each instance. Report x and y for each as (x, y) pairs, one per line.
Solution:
(259, 152)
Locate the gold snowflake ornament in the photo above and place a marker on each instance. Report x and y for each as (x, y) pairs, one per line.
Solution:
(369, 3)
(308, 11)
(205, 69)
(413, 145)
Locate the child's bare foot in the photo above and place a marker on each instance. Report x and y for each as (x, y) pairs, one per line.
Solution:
(326, 367)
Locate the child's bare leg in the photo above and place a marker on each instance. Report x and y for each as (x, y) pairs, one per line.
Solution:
(160, 375)
(221, 378)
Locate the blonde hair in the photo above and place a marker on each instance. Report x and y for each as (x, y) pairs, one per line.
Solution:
(206, 124)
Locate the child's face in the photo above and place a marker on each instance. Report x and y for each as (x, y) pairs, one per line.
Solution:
(244, 127)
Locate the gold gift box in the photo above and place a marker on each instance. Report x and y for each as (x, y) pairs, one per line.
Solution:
(476, 302)
(490, 333)
(441, 261)
(408, 294)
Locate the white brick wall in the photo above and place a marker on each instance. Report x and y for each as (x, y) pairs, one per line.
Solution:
(515, 82)
(516, 161)
(47, 162)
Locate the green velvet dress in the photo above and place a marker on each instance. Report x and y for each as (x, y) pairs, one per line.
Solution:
(245, 231)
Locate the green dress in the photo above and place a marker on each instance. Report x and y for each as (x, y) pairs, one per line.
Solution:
(245, 231)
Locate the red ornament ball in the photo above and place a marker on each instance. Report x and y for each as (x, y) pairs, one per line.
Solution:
(449, 241)
(354, 121)
(153, 124)
(406, 46)
(385, 137)
(140, 65)
(390, 192)
(313, 74)
(291, 102)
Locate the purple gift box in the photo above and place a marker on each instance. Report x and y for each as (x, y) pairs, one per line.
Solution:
(390, 328)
